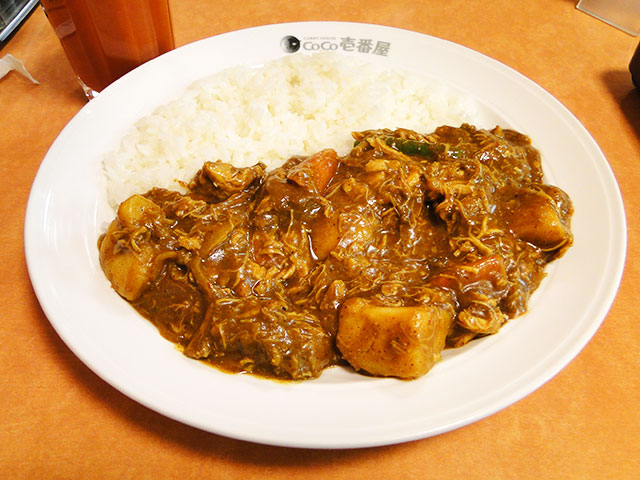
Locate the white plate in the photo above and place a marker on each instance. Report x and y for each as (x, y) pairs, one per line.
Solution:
(67, 211)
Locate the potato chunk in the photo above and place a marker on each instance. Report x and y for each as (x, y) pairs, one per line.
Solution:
(128, 261)
(535, 217)
(128, 271)
(324, 235)
(402, 342)
(136, 209)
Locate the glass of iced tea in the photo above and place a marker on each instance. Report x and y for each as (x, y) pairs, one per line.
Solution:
(104, 39)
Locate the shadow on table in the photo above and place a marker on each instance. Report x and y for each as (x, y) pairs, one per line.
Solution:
(619, 84)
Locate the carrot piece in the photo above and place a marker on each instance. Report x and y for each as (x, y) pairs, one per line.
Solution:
(489, 268)
(315, 172)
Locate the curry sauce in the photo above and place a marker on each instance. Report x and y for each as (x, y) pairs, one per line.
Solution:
(379, 259)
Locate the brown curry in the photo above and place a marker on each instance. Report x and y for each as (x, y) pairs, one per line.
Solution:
(380, 259)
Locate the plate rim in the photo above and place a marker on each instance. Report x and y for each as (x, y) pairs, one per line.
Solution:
(35, 202)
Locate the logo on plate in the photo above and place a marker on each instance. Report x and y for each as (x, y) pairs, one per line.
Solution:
(291, 44)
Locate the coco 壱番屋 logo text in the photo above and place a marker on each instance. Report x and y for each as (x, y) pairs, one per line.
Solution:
(292, 44)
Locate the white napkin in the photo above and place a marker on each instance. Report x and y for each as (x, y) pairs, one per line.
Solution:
(9, 62)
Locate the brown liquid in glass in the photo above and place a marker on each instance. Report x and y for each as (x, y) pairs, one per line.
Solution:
(103, 40)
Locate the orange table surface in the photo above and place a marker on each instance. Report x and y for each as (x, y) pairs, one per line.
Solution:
(59, 420)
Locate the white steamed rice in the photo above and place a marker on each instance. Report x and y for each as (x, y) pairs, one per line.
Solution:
(296, 105)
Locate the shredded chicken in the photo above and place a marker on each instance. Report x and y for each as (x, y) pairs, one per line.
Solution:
(380, 259)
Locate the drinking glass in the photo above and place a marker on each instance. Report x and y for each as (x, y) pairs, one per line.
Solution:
(104, 39)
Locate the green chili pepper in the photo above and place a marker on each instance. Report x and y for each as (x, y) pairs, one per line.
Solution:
(412, 147)
(419, 149)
